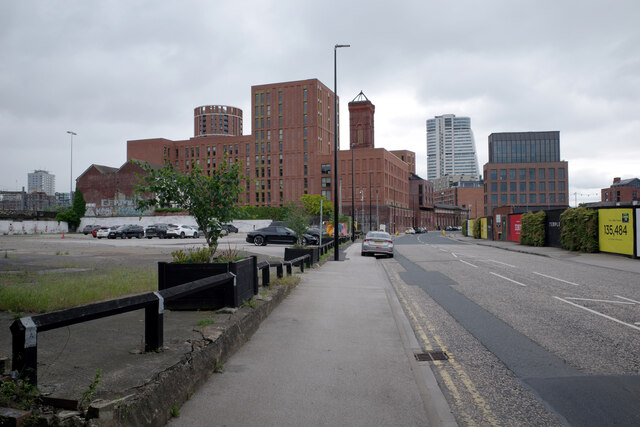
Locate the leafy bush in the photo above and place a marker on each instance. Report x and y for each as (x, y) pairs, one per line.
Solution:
(464, 228)
(193, 255)
(477, 228)
(579, 230)
(533, 232)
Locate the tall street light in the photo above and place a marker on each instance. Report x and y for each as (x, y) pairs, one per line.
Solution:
(71, 169)
(370, 200)
(335, 148)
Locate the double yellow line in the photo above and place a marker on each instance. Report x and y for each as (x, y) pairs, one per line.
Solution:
(427, 337)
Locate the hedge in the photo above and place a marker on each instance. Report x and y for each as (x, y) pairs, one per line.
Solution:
(579, 230)
(533, 232)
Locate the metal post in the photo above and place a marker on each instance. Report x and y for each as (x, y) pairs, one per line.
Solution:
(335, 148)
(369, 200)
(71, 169)
(353, 218)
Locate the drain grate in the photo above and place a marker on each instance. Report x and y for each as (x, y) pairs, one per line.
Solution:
(431, 356)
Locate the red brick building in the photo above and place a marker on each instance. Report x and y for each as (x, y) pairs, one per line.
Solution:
(622, 190)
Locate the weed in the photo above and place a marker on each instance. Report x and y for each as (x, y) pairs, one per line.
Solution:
(175, 411)
(229, 254)
(16, 316)
(207, 321)
(250, 303)
(17, 394)
(6, 255)
(287, 281)
(218, 367)
(87, 395)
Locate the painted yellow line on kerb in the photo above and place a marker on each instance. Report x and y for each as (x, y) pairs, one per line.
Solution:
(419, 318)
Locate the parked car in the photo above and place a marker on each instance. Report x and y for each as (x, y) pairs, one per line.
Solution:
(410, 230)
(127, 231)
(156, 230)
(420, 230)
(377, 242)
(89, 228)
(276, 234)
(315, 232)
(181, 231)
(102, 232)
(230, 228)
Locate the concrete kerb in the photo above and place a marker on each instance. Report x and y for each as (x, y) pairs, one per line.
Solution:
(151, 403)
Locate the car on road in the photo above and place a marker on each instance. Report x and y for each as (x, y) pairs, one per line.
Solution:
(377, 242)
(181, 231)
(89, 228)
(230, 228)
(156, 230)
(410, 230)
(126, 231)
(276, 234)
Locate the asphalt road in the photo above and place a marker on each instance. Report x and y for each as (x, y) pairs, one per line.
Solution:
(531, 340)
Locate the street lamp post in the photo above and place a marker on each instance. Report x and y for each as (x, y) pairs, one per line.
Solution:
(369, 200)
(335, 148)
(353, 218)
(71, 168)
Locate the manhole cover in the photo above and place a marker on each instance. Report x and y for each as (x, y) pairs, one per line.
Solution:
(430, 356)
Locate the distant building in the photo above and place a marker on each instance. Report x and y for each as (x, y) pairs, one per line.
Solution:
(525, 171)
(622, 190)
(217, 120)
(23, 201)
(41, 180)
(457, 180)
(451, 148)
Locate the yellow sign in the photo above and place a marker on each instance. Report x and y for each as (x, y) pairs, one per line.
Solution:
(483, 225)
(615, 230)
(470, 227)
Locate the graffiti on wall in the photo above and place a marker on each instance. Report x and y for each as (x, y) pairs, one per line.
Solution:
(114, 207)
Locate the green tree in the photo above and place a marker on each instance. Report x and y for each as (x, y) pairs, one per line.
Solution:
(73, 215)
(209, 199)
(298, 221)
(311, 205)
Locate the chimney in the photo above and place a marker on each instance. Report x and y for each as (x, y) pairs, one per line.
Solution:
(616, 180)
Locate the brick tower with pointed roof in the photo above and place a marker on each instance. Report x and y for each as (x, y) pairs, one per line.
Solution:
(361, 112)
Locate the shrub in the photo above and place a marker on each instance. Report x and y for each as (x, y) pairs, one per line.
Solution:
(533, 232)
(464, 228)
(477, 228)
(193, 255)
(579, 230)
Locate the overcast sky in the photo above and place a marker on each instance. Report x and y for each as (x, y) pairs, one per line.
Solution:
(113, 71)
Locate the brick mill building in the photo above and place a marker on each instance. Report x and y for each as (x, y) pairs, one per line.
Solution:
(290, 153)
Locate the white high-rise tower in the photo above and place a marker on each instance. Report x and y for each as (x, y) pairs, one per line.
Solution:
(451, 149)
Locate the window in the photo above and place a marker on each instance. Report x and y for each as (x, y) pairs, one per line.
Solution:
(552, 173)
(326, 168)
(493, 174)
(523, 198)
(532, 198)
(494, 187)
(326, 194)
(306, 157)
(503, 174)
(541, 173)
(512, 174)
(561, 195)
(561, 186)
(512, 198)
(503, 187)
(541, 186)
(513, 187)
(552, 198)
(561, 174)
(532, 173)
(532, 186)
(280, 160)
(523, 187)
(494, 199)
(280, 171)
(503, 198)
(523, 174)
(306, 170)
(543, 198)
(279, 133)
(326, 182)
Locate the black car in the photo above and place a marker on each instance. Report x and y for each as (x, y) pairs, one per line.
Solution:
(276, 234)
(156, 230)
(127, 231)
(230, 228)
(316, 233)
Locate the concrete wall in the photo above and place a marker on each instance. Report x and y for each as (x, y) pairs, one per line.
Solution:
(9, 227)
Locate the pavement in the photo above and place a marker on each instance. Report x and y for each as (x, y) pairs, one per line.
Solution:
(337, 351)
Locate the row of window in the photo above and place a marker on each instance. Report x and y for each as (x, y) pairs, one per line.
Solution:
(528, 198)
(543, 173)
(533, 186)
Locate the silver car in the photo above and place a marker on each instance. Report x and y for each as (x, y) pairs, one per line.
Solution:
(377, 242)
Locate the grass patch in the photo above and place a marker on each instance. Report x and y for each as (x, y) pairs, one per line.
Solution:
(292, 280)
(40, 293)
(208, 321)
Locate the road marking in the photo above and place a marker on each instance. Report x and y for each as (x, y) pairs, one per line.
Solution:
(506, 278)
(503, 263)
(468, 263)
(600, 314)
(628, 299)
(442, 250)
(418, 318)
(555, 278)
(600, 300)
(454, 255)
